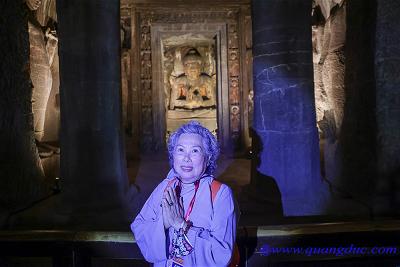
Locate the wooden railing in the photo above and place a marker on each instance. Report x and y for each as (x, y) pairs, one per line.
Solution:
(84, 249)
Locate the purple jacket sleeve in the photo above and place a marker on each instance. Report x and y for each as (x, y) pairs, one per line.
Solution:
(148, 228)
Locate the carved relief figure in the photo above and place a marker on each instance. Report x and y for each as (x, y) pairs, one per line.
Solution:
(329, 35)
(329, 38)
(193, 89)
(43, 47)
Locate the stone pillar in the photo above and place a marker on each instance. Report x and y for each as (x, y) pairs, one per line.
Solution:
(387, 73)
(284, 106)
(93, 165)
(357, 140)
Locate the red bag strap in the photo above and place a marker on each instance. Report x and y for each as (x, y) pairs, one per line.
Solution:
(215, 185)
(235, 260)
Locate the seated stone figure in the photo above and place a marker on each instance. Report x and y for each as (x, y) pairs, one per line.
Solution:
(193, 89)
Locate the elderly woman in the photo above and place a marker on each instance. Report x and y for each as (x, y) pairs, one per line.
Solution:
(190, 218)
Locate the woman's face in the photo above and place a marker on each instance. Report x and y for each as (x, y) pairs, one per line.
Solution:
(189, 157)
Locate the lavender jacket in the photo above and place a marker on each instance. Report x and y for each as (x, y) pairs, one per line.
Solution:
(214, 225)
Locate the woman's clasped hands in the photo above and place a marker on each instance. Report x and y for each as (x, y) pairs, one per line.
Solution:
(172, 210)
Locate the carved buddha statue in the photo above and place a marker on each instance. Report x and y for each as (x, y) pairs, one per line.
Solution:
(193, 89)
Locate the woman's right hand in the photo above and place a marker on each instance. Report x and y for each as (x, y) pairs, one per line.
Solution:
(172, 209)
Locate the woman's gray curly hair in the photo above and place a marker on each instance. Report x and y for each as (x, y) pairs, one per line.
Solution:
(210, 144)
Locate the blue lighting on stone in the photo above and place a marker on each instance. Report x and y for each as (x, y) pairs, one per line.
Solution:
(284, 109)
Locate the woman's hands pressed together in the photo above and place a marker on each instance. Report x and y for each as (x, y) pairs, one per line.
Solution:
(172, 209)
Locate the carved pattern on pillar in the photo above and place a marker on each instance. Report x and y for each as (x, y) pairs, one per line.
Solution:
(234, 89)
(248, 104)
(126, 79)
(145, 80)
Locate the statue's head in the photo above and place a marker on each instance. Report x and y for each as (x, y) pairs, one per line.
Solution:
(33, 4)
(192, 62)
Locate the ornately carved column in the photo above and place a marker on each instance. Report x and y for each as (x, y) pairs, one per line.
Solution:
(93, 168)
(284, 107)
